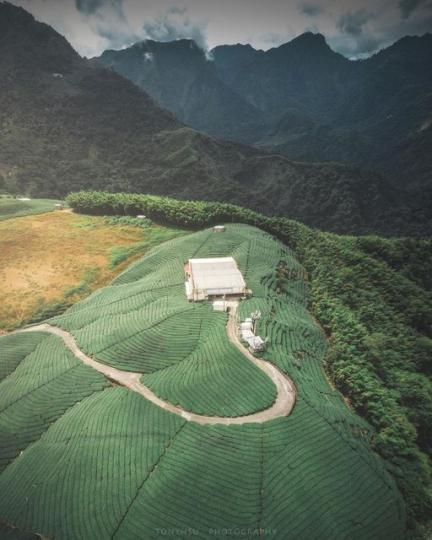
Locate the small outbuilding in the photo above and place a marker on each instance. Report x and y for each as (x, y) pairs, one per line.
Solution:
(247, 325)
(257, 344)
(220, 305)
(247, 334)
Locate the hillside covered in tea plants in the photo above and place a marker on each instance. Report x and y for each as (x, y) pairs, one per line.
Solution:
(127, 469)
(11, 207)
(372, 296)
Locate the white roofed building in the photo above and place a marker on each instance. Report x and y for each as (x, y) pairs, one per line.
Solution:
(218, 276)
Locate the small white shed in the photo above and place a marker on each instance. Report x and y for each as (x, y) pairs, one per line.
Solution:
(220, 305)
(257, 344)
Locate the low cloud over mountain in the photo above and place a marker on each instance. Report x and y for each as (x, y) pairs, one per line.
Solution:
(356, 28)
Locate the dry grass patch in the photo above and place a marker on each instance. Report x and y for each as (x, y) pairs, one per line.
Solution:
(60, 257)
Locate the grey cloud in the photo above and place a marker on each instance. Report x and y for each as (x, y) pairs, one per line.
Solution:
(355, 46)
(352, 41)
(352, 22)
(353, 27)
(407, 7)
(312, 10)
(90, 7)
(177, 10)
(175, 24)
(273, 39)
(117, 39)
(108, 21)
(367, 43)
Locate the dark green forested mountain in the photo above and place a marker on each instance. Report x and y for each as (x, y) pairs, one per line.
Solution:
(304, 100)
(179, 76)
(66, 123)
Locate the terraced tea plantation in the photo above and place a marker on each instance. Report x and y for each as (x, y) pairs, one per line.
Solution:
(82, 459)
(16, 207)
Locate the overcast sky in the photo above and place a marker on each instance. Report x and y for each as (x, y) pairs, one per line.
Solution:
(355, 28)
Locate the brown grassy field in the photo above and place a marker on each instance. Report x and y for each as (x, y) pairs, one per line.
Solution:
(57, 258)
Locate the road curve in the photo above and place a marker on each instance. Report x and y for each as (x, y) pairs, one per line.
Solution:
(282, 406)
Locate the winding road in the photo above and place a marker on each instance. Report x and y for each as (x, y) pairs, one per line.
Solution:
(282, 405)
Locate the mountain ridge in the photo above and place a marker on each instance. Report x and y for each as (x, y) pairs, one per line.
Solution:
(70, 124)
(367, 112)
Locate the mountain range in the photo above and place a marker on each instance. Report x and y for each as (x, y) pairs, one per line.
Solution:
(300, 99)
(68, 123)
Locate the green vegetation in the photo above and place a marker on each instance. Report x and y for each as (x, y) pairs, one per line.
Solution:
(11, 533)
(155, 236)
(129, 220)
(16, 349)
(41, 380)
(372, 296)
(126, 469)
(10, 207)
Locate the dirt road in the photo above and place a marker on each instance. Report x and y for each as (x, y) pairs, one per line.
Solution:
(282, 406)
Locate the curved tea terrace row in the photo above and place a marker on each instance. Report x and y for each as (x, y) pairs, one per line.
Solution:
(282, 406)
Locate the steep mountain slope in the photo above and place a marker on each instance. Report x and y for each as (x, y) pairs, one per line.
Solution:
(301, 99)
(376, 112)
(305, 70)
(67, 123)
(180, 78)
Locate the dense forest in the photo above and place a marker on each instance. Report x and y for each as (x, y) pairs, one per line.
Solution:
(372, 296)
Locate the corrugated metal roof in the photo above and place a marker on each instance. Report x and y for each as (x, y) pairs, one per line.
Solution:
(218, 274)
